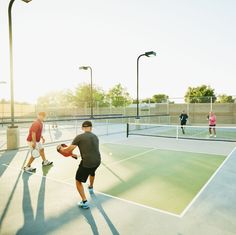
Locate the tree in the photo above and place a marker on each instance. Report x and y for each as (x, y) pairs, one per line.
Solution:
(200, 94)
(225, 99)
(119, 96)
(82, 95)
(147, 101)
(160, 98)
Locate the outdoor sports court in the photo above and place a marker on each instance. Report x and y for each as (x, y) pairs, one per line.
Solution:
(145, 185)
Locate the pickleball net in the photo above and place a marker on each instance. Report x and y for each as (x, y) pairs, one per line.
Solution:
(223, 133)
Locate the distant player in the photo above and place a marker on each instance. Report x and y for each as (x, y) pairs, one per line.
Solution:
(212, 123)
(183, 120)
(88, 145)
(35, 142)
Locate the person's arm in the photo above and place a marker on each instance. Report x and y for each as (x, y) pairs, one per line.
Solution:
(43, 140)
(33, 139)
(69, 149)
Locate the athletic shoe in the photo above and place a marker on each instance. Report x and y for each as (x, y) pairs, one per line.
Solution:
(29, 169)
(214, 135)
(84, 205)
(46, 163)
(90, 189)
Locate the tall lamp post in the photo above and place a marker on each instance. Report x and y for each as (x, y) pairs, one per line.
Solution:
(147, 54)
(91, 86)
(12, 132)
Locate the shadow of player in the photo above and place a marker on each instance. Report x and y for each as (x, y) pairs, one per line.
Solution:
(33, 224)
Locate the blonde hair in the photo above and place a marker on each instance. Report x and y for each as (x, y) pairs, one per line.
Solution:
(43, 114)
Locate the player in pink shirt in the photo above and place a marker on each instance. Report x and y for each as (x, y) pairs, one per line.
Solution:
(212, 123)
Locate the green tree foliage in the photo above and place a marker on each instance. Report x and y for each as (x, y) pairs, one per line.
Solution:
(82, 96)
(119, 96)
(160, 98)
(200, 94)
(225, 99)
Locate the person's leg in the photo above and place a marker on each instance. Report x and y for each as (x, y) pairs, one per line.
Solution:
(91, 181)
(80, 189)
(210, 130)
(81, 177)
(30, 162)
(42, 154)
(214, 129)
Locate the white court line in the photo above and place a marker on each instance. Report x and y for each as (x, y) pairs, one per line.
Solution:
(104, 194)
(34, 173)
(158, 148)
(139, 154)
(123, 160)
(131, 157)
(134, 203)
(207, 183)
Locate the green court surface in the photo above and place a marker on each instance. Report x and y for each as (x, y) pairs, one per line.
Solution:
(144, 186)
(162, 179)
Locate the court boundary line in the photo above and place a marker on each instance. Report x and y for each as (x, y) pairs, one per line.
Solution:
(181, 215)
(207, 183)
(158, 148)
(131, 157)
(104, 194)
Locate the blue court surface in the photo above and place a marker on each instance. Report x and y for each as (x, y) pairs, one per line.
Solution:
(46, 202)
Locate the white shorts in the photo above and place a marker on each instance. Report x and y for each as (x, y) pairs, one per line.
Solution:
(38, 146)
(35, 151)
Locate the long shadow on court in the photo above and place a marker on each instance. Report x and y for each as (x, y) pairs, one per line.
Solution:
(39, 225)
(27, 207)
(98, 204)
(5, 160)
(90, 220)
(30, 223)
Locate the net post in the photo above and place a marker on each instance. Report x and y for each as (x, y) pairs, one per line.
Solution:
(127, 130)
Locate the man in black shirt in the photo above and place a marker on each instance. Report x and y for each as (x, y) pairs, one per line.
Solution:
(183, 120)
(88, 145)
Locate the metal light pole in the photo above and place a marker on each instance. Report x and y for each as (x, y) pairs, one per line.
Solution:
(13, 134)
(91, 86)
(148, 54)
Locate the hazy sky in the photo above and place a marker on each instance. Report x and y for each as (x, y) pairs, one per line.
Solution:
(195, 41)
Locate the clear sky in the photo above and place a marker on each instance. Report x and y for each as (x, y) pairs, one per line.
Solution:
(195, 41)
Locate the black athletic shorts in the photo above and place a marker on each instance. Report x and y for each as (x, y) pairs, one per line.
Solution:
(83, 173)
(183, 123)
(212, 125)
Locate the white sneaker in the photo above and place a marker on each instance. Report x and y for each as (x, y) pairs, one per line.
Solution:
(84, 205)
(29, 169)
(46, 163)
(214, 135)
